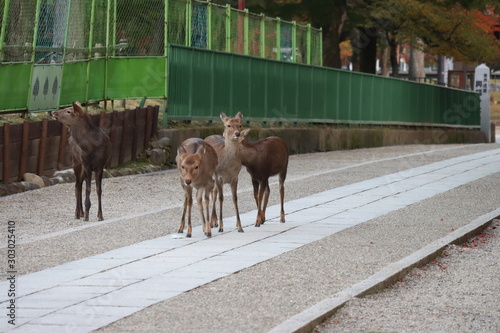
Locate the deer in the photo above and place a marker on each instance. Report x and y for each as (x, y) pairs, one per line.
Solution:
(229, 166)
(196, 161)
(263, 159)
(91, 150)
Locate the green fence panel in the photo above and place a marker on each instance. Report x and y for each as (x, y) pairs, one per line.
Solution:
(135, 78)
(14, 91)
(272, 90)
(74, 83)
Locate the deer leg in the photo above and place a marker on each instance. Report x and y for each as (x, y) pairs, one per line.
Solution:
(88, 181)
(189, 206)
(258, 220)
(255, 184)
(184, 209)
(282, 197)
(234, 187)
(267, 190)
(78, 190)
(98, 184)
(213, 221)
(221, 200)
(199, 198)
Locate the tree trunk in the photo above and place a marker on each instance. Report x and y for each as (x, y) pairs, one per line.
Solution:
(332, 36)
(394, 54)
(366, 46)
(416, 70)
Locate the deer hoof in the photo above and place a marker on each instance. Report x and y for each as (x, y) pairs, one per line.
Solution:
(208, 234)
(221, 230)
(188, 235)
(257, 225)
(241, 230)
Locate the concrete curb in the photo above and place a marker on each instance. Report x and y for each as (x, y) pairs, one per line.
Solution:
(307, 320)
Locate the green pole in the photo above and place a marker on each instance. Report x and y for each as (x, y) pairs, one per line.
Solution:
(33, 48)
(108, 43)
(164, 122)
(187, 41)
(309, 44)
(209, 25)
(262, 35)
(114, 26)
(91, 39)
(321, 46)
(228, 28)
(294, 41)
(278, 38)
(4, 27)
(246, 50)
(165, 28)
(64, 46)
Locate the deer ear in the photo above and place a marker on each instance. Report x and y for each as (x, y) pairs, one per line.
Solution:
(77, 107)
(243, 134)
(239, 115)
(223, 116)
(201, 150)
(181, 150)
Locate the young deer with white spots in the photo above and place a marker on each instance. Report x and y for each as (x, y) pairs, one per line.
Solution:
(196, 162)
(91, 150)
(263, 159)
(228, 169)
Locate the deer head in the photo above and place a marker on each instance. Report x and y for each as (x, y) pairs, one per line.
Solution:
(232, 126)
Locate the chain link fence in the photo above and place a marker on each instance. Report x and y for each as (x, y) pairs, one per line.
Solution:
(74, 30)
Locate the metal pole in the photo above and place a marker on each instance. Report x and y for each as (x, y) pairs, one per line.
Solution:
(209, 25)
(33, 47)
(245, 50)
(4, 26)
(165, 53)
(228, 28)
(308, 59)
(91, 38)
(278, 38)
(187, 41)
(113, 53)
(262, 35)
(294, 41)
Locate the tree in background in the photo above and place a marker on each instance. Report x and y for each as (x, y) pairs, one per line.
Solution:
(462, 29)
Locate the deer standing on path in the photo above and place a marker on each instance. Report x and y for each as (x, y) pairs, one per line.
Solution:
(229, 166)
(91, 151)
(196, 162)
(263, 159)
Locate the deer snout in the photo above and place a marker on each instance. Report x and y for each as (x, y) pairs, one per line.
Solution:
(236, 135)
(54, 115)
(187, 182)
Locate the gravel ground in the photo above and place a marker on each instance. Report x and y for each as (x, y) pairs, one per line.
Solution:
(451, 294)
(256, 299)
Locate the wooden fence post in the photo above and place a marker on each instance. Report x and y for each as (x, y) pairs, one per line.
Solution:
(134, 139)
(6, 153)
(147, 132)
(24, 150)
(62, 147)
(43, 147)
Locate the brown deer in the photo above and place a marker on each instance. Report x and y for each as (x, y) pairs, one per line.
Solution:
(263, 159)
(229, 166)
(91, 150)
(196, 162)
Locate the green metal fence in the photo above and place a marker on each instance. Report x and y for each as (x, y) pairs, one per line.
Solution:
(53, 52)
(204, 83)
